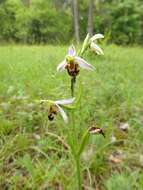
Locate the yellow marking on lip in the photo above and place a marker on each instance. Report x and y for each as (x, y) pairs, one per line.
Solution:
(69, 58)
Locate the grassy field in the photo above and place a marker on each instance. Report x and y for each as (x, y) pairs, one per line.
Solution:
(31, 155)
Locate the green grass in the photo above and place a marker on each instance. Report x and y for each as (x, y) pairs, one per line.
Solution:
(31, 158)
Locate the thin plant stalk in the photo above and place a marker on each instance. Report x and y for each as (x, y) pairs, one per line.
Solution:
(73, 81)
(76, 156)
(78, 173)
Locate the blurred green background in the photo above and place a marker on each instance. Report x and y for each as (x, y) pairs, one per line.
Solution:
(51, 21)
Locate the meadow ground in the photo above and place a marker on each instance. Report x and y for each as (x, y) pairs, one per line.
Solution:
(31, 154)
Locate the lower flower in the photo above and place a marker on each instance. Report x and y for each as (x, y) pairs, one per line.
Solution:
(55, 108)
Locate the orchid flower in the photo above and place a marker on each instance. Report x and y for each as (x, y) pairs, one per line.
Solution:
(90, 42)
(55, 107)
(93, 46)
(72, 63)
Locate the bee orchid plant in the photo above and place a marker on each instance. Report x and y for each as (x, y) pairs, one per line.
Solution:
(72, 63)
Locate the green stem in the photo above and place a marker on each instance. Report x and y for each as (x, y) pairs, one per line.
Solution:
(73, 81)
(78, 171)
(75, 139)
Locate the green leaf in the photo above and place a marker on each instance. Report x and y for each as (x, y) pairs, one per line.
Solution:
(84, 141)
(85, 44)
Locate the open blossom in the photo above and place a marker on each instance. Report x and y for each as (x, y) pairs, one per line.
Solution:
(72, 63)
(93, 45)
(56, 108)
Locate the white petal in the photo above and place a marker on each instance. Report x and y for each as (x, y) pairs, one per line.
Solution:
(61, 66)
(71, 51)
(65, 102)
(83, 64)
(96, 36)
(96, 48)
(63, 114)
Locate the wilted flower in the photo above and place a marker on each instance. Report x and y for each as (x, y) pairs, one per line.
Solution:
(72, 63)
(96, 130)
(55, 107)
